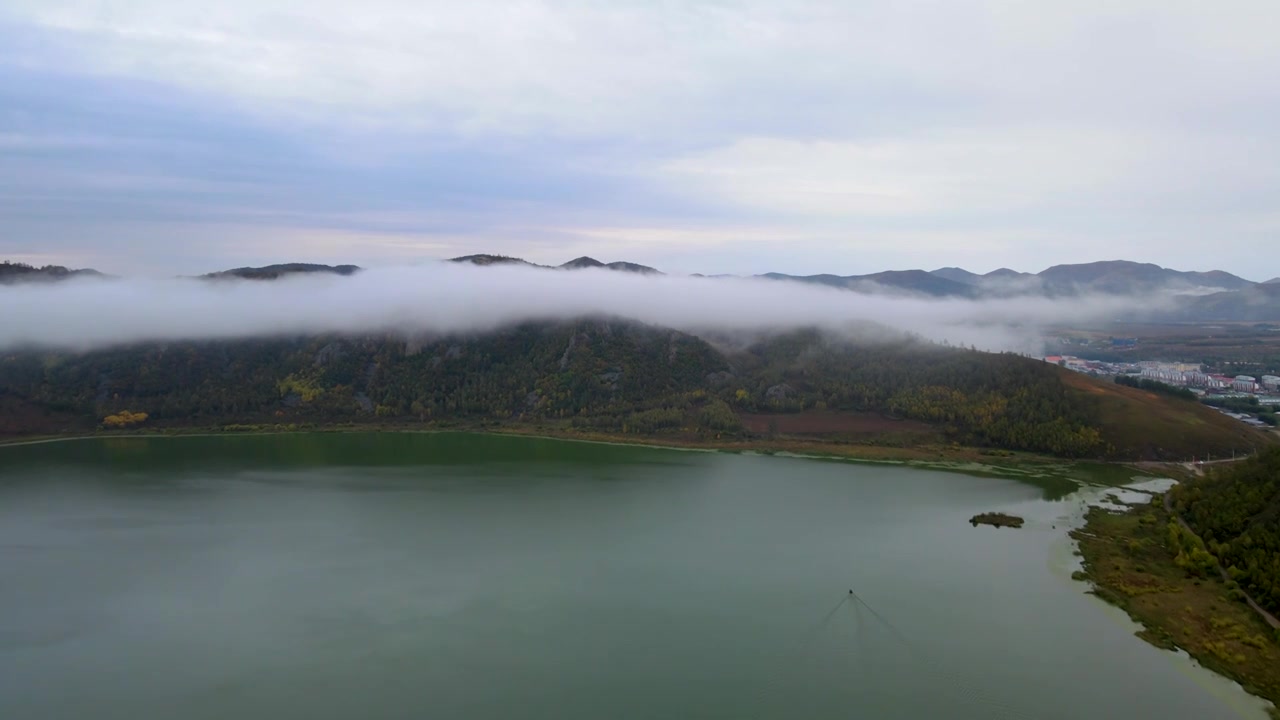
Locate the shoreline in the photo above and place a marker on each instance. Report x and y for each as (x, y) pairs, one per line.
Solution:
(966, 460)
(1126, 564)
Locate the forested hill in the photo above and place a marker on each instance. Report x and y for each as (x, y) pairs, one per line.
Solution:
(609, 376)
(1236, 511)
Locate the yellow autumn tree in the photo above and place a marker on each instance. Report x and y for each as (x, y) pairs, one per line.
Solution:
(123, 419)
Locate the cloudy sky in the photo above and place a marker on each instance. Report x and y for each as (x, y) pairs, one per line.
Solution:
(156, 136)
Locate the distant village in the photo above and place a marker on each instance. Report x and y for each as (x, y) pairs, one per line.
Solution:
(1263, 391)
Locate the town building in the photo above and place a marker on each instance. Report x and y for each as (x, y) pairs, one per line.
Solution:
(1164, 375)
(1245, 383)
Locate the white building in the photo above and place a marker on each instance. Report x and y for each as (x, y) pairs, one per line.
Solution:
(1197, 378)
(1164, 375)
(1271, 382)
(1245, 383)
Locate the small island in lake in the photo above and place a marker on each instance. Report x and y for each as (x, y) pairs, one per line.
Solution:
(996, 519)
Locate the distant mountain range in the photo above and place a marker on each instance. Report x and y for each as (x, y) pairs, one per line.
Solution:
(581, 263)
(1120, 277)
(911, 281)
(1115, 276)
(1175, 295)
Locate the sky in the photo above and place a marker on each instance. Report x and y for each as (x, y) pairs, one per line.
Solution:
(158, 137)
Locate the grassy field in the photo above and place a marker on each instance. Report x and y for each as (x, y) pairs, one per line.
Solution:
(1126, 559)
(1253, 348)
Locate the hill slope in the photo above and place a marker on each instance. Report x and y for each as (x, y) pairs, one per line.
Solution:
(617, 377)
(1142, 424)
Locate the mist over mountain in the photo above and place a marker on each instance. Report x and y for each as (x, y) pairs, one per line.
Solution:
(271, 272)
(1161, 293)
(614, 347)
(918, 300)
(1257, 303)
(12, 272)
(485, 260)
(579, 263)
(1115, 277)
(1123, 276)
(893, 281)
(585, 262)
(446, 297)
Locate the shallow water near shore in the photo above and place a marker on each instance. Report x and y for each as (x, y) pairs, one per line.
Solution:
(396, 575)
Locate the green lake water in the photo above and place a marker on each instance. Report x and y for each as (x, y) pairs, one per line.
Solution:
(405, 575)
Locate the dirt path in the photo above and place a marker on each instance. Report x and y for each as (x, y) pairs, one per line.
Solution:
(1267, 617)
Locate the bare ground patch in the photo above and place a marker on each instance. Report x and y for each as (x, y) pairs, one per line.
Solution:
(832, 423)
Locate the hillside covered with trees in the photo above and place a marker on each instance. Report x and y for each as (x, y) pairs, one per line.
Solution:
(608, 376)
(1236, 511)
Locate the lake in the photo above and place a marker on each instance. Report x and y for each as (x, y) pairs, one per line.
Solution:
(403, 575)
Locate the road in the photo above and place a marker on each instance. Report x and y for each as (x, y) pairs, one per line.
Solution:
(1267, 617)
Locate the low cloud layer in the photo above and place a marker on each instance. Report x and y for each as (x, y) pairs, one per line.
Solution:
(447, 298)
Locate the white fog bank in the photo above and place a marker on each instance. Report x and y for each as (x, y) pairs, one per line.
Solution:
(446, 297)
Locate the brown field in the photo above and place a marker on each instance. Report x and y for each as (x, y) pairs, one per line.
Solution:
(1165, 330)
(1223, 346)
(830, 423)
(22, 417)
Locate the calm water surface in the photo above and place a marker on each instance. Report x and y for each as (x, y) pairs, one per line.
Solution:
(464, 576)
